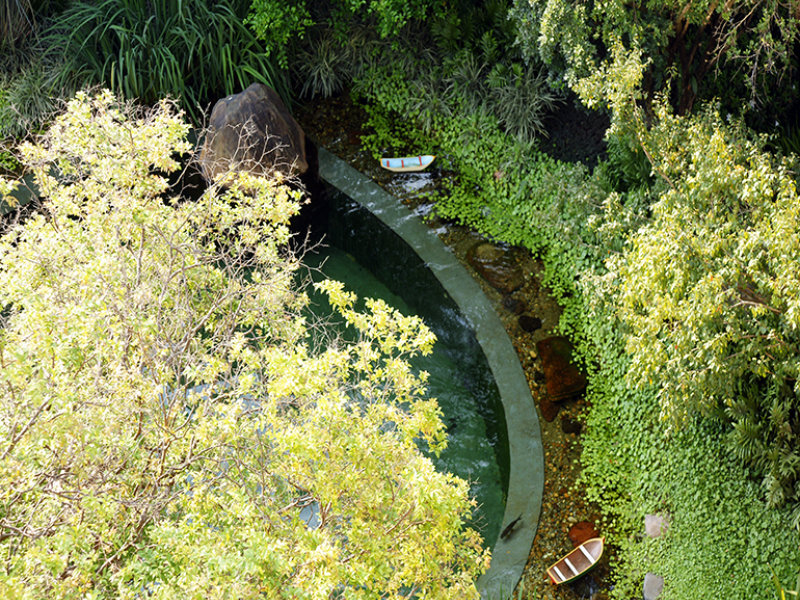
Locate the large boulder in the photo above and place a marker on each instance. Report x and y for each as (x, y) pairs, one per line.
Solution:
(253, 131)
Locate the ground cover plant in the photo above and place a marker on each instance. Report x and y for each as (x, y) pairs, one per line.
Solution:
(168, 431)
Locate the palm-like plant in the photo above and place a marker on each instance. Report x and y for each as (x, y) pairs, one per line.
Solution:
(520, 97)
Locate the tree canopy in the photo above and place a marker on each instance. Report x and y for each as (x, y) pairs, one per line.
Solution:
(683, 43)
(168, 430)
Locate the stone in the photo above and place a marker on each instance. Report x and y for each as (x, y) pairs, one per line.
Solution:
(529, 324)
(653, 586)
(570, 425)
(582, 531)
(496, 265)
(513, 305)
(253, 131)
(656, 524)
(548, 408)
(563, 379)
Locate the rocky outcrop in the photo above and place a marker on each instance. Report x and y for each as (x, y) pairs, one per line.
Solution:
(496, 265)
(563, 379)
(254, 131)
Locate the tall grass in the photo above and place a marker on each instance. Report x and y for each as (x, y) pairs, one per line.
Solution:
(192, 50)
(16, 21)
(30, 96)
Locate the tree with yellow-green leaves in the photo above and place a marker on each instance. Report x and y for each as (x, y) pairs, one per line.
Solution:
(709, 292)
(746, 45)
(167, 429)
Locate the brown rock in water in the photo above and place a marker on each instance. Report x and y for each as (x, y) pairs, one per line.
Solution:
(529, 324)
(496, 265)
(582, 531)
(513, 305)
(563, 379)
(253, 131)
(549, 409)
(570, 425)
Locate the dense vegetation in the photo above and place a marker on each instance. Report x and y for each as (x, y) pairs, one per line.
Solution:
(168, 429)
(675, 256)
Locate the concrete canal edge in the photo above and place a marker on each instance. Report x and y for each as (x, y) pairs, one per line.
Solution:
(526, 458)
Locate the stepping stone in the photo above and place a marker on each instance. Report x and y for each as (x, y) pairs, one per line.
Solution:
(653, 586)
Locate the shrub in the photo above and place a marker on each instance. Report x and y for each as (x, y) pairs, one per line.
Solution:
(167, 428)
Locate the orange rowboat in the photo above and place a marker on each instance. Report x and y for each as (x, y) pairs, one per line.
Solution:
(577, 562)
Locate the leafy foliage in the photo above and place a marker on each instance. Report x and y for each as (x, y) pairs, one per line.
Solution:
(585, 227)
(193, 50)
(743, 44)
(30, 96)
(168, 430)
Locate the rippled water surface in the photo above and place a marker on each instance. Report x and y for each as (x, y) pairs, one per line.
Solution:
(471, 452)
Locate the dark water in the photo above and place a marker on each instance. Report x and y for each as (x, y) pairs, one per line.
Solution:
(459, 377)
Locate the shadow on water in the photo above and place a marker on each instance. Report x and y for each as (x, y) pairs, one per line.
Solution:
(585, 588)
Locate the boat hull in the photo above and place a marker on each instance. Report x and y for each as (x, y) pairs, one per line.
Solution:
(577, 563)
(407, 163)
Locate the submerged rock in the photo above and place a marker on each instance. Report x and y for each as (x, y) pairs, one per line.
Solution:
(529, 324)
(582, 531)
(253, 131)
(514, 305)
(585, 588)
(563, 379)
(496, 265)
(548, 408)
(570, 425)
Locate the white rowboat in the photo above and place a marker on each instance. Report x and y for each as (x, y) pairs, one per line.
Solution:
(406, 164)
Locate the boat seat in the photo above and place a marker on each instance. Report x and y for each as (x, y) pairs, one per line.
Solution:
(587, 554)
(571, 566)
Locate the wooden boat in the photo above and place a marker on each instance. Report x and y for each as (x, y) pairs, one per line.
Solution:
(577, 562)
(407, 163)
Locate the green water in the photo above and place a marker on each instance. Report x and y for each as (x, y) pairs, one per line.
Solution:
(471, 449)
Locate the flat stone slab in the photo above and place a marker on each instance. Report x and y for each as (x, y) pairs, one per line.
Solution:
(653, 586)
(656, 524)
